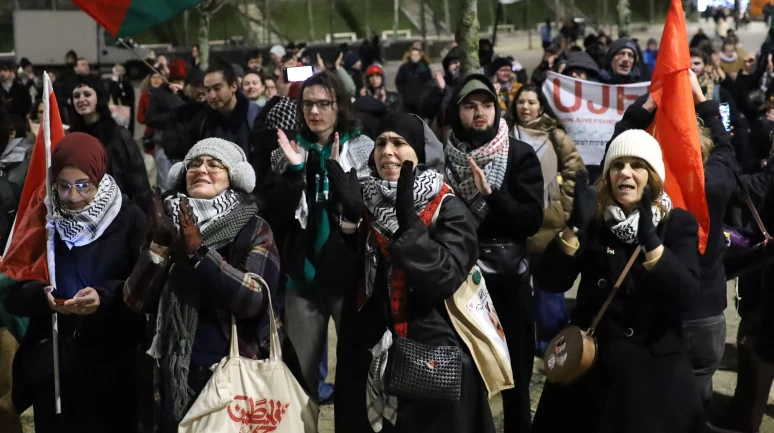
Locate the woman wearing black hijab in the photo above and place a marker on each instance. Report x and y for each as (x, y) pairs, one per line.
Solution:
(413, 261)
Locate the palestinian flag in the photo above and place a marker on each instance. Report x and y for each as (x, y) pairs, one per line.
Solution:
(127, 17)
(29, 253)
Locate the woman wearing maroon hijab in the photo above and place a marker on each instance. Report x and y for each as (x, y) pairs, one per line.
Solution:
(96, 242)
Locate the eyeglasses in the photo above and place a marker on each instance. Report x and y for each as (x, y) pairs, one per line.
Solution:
(322, 105)
(211, 165)
(81, 187)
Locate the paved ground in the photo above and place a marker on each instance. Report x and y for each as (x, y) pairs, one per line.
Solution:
(724, 381)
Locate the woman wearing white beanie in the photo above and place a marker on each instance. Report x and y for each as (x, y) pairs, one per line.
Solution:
(194, 275)
(641, 380)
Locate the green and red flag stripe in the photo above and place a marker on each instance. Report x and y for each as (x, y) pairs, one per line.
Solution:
(127, 17)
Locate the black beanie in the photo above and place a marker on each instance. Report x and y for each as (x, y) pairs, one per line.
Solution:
(409, 127)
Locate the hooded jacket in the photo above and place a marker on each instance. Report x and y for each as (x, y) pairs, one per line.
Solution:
(434, 99)
(411, 81)
(517, 206)
(636, 75)
(565, 162)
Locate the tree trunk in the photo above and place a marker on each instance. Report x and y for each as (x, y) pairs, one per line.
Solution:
(331, 17)
(467, 36)
(310, 19)
(624, 18)
(395, 17)
(266, 22)
(651, 11)
(204, 39)
(423, 18)
(368, 18)
(447, 14)
(558, 10)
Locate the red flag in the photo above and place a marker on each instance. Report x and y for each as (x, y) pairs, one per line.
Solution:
(27, 251)
(675, 125)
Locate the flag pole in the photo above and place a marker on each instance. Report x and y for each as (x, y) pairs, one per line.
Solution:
(46, 124)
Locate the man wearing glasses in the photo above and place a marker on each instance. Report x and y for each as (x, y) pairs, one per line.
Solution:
(304, 212)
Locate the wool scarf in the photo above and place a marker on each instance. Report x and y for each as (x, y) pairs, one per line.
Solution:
(81, 227)
(177, 317)
(379, 197)
(625, 227)
(492, 158)
(208, 212)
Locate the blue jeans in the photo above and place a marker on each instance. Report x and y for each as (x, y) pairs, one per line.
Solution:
(705, 341)
(550, 313)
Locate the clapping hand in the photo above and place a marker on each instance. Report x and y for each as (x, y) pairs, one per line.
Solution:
(404, 197)
(479, 177)
(192, 237)
(583, 203)
(289, 148)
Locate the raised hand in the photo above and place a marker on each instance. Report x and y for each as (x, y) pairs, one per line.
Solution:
(346, 190)
(646, 231)
(164, 231)
(479, 177)
(404, 198)
(583, 203)
(192, 237)
(289, 148)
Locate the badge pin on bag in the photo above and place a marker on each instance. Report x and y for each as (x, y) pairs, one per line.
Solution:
(252, 396)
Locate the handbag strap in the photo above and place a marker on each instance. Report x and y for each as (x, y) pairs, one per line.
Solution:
(275, 348)
(610, 297)
(752, 208)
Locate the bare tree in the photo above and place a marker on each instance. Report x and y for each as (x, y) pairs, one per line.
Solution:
(310, 19)
(467, 36)
(624, 18)
(206, 9)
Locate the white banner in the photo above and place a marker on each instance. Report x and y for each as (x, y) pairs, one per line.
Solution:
(589, 111)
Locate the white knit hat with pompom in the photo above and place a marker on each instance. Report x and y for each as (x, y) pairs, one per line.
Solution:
(240, 173)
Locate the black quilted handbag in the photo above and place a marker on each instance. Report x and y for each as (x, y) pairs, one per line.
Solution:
(423, 372)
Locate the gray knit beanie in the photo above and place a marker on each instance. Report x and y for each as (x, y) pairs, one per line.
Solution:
(240, 173)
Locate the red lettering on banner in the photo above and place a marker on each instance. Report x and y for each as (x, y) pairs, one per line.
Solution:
(621, 99)
(605, 102)
(261, 416)
(558, 100)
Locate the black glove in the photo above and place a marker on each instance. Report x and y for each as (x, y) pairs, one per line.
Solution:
(346, 191)
(583, 203)
(646, 231)
(404, 198)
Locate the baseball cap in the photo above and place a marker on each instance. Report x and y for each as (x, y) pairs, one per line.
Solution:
(472, 86)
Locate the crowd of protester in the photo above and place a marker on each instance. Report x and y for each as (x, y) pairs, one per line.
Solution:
(371, 207)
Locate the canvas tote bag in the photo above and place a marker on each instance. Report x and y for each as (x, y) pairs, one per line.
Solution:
(252, 396)
(474, 317)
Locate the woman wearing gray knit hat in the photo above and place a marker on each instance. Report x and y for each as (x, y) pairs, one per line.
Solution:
(193, 277)
(641, 380)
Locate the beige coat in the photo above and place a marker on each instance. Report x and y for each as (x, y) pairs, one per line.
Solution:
(560, 162)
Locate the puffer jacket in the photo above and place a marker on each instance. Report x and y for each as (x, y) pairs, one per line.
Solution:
(560, 189)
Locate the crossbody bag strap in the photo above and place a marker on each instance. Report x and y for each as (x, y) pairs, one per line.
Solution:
(752, 208)
(613, 292)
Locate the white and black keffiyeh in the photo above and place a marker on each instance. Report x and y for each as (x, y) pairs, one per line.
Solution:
(380, 405)
(207, 211)
(379, 197)
(83, 226)
(625, 228)
(491, 157)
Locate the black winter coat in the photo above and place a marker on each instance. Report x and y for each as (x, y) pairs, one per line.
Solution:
(720, 185)
(17, 99)
(642, 381)
(411, 81)
(436, 263)
(171, 113)
(124, 159)
(235, 127)
(517, 206)
(97, 350)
